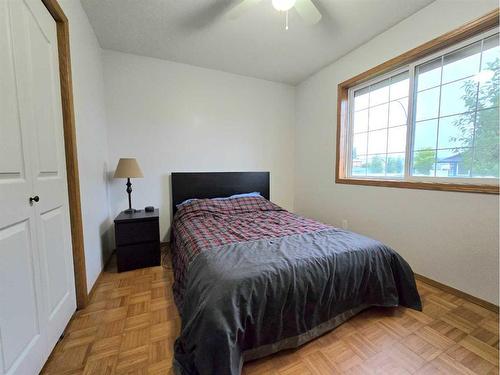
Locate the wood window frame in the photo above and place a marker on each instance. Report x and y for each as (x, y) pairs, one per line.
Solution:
(72, 174)
(475, 27)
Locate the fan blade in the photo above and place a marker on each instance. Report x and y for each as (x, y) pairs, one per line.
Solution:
(241, 8)
(308, 11)
(205, 16)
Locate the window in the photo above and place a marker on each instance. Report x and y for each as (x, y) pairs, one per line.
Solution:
(379, 126)
(433, 120)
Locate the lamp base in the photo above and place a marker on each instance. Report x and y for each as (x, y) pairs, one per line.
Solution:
(130, 211)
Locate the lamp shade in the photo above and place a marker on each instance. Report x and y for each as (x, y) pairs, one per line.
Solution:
(128, 167)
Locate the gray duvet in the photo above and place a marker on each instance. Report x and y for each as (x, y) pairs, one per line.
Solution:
(246, 300)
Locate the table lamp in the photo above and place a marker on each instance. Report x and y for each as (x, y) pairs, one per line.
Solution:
(128, 168)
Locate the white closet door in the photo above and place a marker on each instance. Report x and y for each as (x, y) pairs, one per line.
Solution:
(49, 171)
(23, 344)
(37, 296)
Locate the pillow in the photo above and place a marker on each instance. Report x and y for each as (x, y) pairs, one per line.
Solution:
(185, 202)
(244, 195)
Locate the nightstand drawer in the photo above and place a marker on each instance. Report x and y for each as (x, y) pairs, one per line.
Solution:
(135, 232)
(136, 256)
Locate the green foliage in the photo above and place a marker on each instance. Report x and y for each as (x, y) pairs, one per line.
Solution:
(395, 164)
(484, 157)
(376, 165)
(424, 160)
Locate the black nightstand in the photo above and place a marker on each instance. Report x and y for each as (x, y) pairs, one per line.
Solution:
(137, 238)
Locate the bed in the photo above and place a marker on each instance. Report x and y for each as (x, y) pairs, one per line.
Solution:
(251, 278)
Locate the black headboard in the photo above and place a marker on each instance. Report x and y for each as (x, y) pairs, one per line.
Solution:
(186, 185)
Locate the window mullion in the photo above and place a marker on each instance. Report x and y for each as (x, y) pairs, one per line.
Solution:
(410, 121)
(350, 133)
(476, 113)
(439, 115)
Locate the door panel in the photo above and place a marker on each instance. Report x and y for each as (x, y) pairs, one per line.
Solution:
(23, 339)
(20, 328)
(54, 246)
(49, 177)
(11, 163)
(43, 103)
(15, 180)
(37, 296)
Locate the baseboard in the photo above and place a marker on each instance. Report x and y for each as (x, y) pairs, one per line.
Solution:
(478, 301)
(92, 290)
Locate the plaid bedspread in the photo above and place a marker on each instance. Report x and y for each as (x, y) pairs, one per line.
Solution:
(207, 223)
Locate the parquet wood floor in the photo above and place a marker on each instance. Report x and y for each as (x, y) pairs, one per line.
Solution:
(132, 322)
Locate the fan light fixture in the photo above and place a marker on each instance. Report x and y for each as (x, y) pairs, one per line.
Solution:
(283, 5)
(304, 8)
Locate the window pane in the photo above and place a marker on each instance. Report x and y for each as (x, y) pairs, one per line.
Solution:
(486, 152)
(427, 104)
(491, 54)
(429, 75)
(423, 162)
(379, 93)
(425, 135)
(376, 165)
(456, 131)
(377, 142)
(489, 76)
(467, 139)
(387, 101)
(400, 86)
(361, 98)
(395, 165)
(489, 82)
(462, 63)
(359, 166)
(452, 163)
(359, 144)
(398, 112)
(379, 116)
(396, 141)
(485, 165)
(361, 121)
(458, 97)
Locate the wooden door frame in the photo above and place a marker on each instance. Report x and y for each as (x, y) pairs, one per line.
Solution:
(68, 112)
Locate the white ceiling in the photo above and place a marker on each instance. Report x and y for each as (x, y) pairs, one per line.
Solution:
(256, 44)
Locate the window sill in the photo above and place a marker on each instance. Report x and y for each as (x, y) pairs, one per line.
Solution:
(464, 188)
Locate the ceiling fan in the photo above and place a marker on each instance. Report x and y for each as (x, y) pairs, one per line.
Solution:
(305, 8)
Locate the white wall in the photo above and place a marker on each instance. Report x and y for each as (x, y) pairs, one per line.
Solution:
(449, 237)
(90, 116)
(176, 118)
